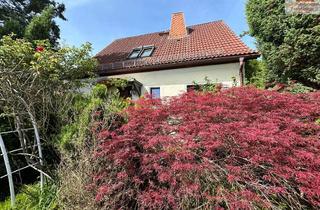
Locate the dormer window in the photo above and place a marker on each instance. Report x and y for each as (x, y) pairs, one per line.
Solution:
(141, 52)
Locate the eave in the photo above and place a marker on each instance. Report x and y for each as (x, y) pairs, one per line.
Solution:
(176, 65)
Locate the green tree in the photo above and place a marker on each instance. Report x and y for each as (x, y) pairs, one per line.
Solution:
(256, 73)
(43, 27)
(37, 85)
(289, 43)
(33, 18)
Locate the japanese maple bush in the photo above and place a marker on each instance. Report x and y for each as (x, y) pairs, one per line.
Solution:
(237, 149)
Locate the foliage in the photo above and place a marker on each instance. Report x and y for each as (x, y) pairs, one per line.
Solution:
(31, 198)
(208, 86)
(116, 82)
(40, 81)
(4, 122)
(75, 133)
(99, 110)
(291, 87)
(297, 88)
(42, 27)
(37, 85)
(242, 148)
(74, 178)
(289, 43)
(34, 18)
(256, 73)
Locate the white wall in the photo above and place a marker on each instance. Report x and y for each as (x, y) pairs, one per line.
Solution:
(174, 81)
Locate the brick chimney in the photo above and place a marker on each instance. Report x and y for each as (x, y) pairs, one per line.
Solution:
(178, 28)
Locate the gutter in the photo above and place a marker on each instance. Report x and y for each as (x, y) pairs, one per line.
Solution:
(241, 70)
(184, 64)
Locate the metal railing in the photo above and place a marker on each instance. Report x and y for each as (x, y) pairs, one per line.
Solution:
(4, 154)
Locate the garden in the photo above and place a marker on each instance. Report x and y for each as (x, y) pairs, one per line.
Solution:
(250, 147)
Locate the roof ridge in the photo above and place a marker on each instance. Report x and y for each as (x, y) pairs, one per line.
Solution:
(158, 32)
(205, 23)
(134, 36)
(165, 31)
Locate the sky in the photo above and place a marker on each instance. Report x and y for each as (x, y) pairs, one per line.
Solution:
(102, 21)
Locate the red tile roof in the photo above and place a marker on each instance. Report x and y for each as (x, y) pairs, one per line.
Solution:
(208, 42)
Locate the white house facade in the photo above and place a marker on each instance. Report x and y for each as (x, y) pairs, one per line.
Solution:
(173, 82)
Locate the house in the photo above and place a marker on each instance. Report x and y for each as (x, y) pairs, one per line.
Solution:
(168, 63)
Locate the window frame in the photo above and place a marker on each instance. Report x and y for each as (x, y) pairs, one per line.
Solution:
(194, 87)
(137, 49)
(152, 95)
(140, 51)
(146, 48)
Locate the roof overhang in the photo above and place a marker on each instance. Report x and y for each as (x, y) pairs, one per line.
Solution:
(176, 65)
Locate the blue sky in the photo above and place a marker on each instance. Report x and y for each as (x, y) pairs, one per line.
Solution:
(102, 21)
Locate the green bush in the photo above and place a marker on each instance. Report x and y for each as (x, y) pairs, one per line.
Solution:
(208, 86)
(297, 88)
(80, 115)
(77, 143)
(256, 73)
(31, 198)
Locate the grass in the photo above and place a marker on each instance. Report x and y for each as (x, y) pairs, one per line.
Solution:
(31, 198)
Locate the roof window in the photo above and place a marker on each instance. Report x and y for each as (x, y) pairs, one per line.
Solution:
(135, 53)
(141, 52)
(147, 51)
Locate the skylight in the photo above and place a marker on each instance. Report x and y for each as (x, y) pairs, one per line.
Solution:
(135, 53)
(147, 51)
(141, 52)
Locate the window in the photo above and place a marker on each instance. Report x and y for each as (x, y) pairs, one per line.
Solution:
(193, 88)
(146, 52)
(135, 53)
(141, 52)
(155, 92)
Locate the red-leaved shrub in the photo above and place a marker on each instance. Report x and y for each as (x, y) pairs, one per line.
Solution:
(238, 149)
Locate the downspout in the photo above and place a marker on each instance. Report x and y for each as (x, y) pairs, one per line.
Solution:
(241, 70)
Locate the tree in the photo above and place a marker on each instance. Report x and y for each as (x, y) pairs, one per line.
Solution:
(35, 84)
(43, 27)
(40, 76)
(242, 148)
(256, 73)
(289, 43)
(16, 15)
